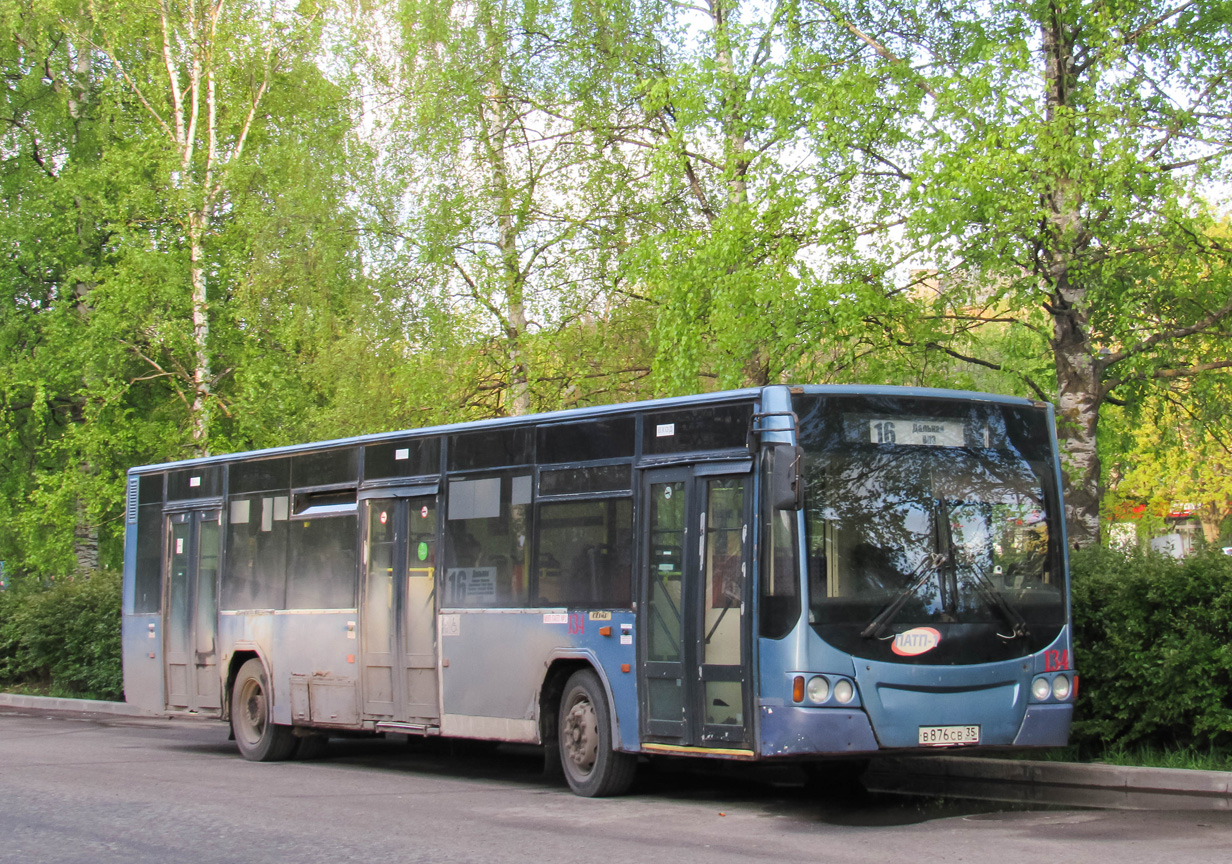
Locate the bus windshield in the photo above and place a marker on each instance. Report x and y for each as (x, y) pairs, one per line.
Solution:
(934, 519)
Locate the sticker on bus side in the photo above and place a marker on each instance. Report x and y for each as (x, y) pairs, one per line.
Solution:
(600, 616)
(451, 625)
(555, 617)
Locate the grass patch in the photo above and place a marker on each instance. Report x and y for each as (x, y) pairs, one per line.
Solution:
(1148, 756)
(27, 688)
(1141, 756)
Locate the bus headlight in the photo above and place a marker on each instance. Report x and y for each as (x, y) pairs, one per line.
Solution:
(818, 689)
(844, 692)
(1060, 687)
(1040, 689)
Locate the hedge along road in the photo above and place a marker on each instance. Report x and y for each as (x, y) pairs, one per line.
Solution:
(110, 789)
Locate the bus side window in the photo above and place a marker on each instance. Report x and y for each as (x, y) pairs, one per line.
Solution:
(584, 553)
(780, 599)
(487, 541)
(324, 530)
(149, 575)
(255, 568)
(322, 574)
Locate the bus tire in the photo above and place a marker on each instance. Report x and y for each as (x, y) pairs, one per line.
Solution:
(592, 768)
(259, 738)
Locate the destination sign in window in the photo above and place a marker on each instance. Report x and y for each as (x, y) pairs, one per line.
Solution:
(913, 431)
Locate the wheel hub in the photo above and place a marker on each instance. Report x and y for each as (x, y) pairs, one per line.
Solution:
(252, 714)
(581, 735)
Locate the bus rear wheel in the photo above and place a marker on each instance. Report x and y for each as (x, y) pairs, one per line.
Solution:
(258, 737)
(592, 768)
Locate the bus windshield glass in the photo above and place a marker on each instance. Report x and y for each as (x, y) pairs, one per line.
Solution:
(931, 528)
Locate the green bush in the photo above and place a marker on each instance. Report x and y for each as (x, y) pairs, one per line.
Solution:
(1153, 646)
(66, 637)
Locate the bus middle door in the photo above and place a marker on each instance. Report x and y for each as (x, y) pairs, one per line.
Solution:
(398, 625)
(695, 679)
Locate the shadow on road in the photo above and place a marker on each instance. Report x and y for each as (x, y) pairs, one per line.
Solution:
(776, 790)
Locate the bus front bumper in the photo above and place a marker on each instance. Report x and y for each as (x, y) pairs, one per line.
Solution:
(787, 730)
(1045, 726)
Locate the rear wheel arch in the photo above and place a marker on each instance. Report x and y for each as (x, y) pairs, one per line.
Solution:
(559, 670)
(238, 659)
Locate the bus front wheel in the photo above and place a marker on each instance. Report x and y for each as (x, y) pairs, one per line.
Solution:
(592, 768)
(259, 738)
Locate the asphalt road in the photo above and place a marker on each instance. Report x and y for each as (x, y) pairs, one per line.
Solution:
(105, 789)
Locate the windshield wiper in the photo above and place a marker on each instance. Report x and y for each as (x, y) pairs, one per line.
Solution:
(922, 573)
(994, 598)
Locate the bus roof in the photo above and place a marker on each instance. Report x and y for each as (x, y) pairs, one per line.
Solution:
(593, 411)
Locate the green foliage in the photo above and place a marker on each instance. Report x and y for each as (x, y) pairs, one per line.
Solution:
(766, 129)
(66, 637)
(97, 344)
(504, 133)
(1153, 645)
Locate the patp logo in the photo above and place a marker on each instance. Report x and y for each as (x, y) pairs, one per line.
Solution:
(916, 641)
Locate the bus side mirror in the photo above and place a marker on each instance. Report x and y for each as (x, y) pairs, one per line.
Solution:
(786, 477)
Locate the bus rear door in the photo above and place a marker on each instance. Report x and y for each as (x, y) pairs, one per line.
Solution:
(191, 612)
(694, 669)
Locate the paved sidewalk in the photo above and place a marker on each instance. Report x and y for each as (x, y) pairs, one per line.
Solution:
(81, 706)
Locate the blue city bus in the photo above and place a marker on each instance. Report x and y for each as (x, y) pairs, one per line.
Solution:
(781, 573)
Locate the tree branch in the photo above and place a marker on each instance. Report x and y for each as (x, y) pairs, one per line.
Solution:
(882, 51)
(1133, 36)
(1150, 342)
(1165, 374)
(132, 85)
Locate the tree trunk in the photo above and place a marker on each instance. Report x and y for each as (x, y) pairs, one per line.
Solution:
(497, 121)
(85, 533)
(1211, 516)
(201, 332)
(1078, 399)
(85, 545)
(755, 366)
(1065, 236)
(519, 380)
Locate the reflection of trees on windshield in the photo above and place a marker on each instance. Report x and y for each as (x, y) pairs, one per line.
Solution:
(878, 514)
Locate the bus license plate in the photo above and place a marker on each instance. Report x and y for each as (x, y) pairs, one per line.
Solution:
(947, 736)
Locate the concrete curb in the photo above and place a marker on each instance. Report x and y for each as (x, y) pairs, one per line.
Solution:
(1066, 783)
(81, 706)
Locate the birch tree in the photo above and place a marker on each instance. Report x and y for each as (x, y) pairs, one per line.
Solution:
(96, 339)
(772, 142)
(515, 183)
(201, 70)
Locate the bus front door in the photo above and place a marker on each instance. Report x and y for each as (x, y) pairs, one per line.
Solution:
(191, 612)
(399, 610)
(695, 679)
